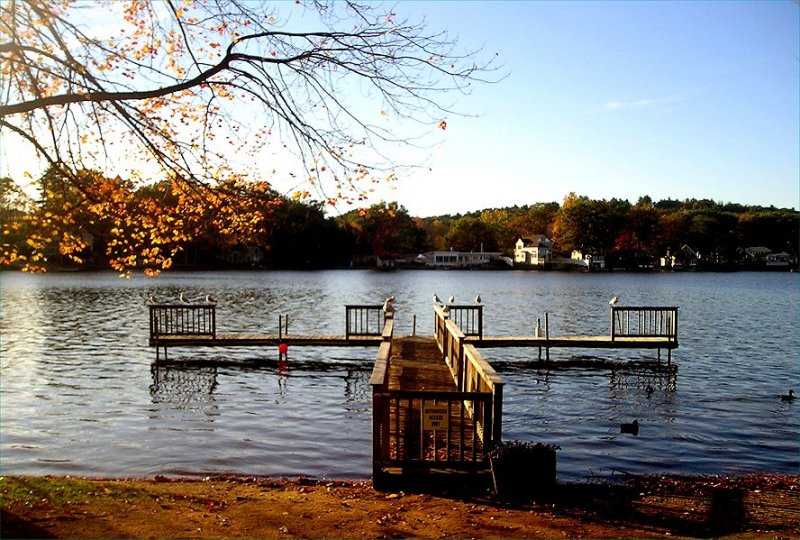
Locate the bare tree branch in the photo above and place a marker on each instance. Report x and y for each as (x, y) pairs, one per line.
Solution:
(180, 85)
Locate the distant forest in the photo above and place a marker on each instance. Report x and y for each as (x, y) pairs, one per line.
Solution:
(296, 234)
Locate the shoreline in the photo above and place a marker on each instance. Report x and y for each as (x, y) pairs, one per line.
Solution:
(232, 506)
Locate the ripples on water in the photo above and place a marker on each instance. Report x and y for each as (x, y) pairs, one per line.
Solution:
(82, 395)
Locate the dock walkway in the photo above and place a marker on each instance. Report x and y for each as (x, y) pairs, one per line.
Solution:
(437, 406)
(417, 365)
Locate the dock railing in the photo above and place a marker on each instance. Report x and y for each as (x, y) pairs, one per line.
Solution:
(195, 320)
(468, 318)
(364, 320)
(635, 321)
(470, 371)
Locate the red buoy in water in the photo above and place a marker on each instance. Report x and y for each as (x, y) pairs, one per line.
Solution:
(283, 348)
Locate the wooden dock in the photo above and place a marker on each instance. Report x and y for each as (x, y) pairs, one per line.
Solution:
(195, 325)
(577, 342)
(264, 340)
(437, 403)
(634, 327)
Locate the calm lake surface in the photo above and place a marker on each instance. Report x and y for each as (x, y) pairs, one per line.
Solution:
(80, 392)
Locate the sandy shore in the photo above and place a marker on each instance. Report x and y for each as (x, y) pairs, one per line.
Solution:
(234, 507)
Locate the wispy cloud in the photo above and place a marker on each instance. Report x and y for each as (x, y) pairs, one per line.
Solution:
(646, 103)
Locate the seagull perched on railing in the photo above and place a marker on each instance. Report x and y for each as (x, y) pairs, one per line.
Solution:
(152, 299)
(183, 299)
(478, 299)
(387, 306)
(614, 301)
(436, 299)
(452, 299)
(210, 299)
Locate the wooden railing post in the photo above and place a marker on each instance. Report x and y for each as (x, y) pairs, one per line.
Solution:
(497, 427)
(480, 323)
(380, 410)
(613, 320)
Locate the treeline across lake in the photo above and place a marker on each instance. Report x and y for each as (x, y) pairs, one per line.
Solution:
(109, 223)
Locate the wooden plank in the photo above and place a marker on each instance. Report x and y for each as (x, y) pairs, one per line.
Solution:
(582, 342)
(259, 340)
(380, 371)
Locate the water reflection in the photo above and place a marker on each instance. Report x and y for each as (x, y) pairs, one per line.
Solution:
(356, 388)
(194, 379)
(283, 373)
(621, 374)
(183, 384)
(643, 377)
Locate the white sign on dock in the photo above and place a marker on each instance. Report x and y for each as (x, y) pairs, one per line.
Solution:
(434, 417)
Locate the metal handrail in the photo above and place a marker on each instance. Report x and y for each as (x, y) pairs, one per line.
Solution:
(644, 321)
(364, 320)
(182, 320)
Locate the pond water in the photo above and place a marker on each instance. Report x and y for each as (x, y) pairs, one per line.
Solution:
(81, 394)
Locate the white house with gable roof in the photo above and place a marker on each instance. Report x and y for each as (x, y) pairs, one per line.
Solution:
(535, 250)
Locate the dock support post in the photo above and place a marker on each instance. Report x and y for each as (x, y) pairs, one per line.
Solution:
(414, 327)
(283, 326)
(538, 334)
(547, 335)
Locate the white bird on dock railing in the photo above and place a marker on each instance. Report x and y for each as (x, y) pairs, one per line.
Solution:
(478, 299)
(210, 299)
(614, 301)
(436, 299)
(387, 306)
(452, 300)
(392, 300)
(183, 299)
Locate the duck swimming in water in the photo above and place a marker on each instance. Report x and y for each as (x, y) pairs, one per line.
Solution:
(788, 397)
(632, 428)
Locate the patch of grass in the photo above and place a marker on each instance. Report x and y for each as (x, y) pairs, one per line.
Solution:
(58, 491)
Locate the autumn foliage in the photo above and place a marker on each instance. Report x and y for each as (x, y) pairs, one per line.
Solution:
(140, 229)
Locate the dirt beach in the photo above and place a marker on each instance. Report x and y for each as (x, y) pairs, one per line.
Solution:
(236, 507)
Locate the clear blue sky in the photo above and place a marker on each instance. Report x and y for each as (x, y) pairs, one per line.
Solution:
(619, 99)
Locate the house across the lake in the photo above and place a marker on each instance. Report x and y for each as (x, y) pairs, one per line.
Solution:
(683, 259)
(535, 250)
(461, 259)
(780, 260)
(591, 261)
